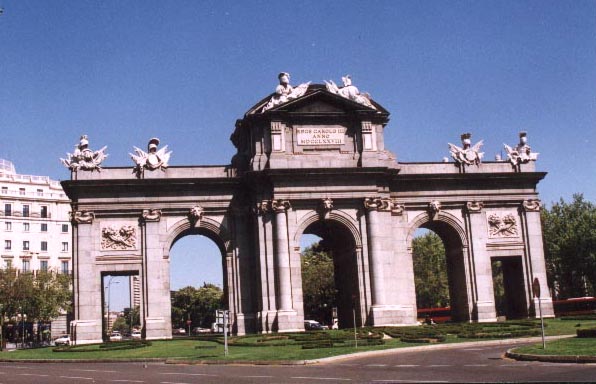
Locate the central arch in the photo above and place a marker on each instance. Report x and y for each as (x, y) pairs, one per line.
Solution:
(341, 241)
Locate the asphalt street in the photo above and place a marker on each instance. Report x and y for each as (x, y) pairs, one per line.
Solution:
(463, 364)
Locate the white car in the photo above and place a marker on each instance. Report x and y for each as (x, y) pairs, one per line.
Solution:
(115, 336)
(136, 335)
(62, 340)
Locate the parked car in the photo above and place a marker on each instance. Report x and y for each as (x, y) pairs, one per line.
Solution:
(136, 335)
(201, 330)
(312, 325)
(62, 340)
(115, 336)
(179, 331)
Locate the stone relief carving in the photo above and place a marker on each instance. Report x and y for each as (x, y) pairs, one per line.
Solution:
(263, 207)
(349, 91)
(151, 214)
(84, 158)
(284, 92)
(82, 217)
(532, 205)
(195, 214)
(325, 207)
(152, 159)
(397, 209)
(474, 206)
(468, 155)
(522, 152)
(122, 238)
(502, 225)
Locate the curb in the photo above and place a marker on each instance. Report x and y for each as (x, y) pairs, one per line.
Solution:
(577, 359)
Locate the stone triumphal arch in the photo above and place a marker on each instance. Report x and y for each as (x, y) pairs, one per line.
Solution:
(310, 159)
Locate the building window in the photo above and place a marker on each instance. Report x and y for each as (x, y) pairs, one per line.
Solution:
(64, 265)
(7, 209)
(8, 226)
(43, 265)
(40, 192)
(64, 228)
(64, 247)
(44, 212)
(22, 191)
(44, 245)
(25, 245)
(26, 266)
(7, 245)
(5, 190)
(25, 227)
(25, 211)
(44, 227)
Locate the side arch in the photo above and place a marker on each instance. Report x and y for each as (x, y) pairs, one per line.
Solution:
(444, 217)
(207, 227)
(338, 216)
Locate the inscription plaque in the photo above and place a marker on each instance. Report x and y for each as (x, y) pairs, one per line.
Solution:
(320, 135)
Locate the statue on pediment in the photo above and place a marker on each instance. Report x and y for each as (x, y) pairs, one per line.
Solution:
(284, 92)
(522, 152)
(152, 159)
(349, 91)
(84, 158)
(468, 155)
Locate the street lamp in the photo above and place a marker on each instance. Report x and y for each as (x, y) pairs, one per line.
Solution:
(1, 326)
(108, 288)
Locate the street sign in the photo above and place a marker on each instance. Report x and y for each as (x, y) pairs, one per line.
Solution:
(188, 322)
(536, 287)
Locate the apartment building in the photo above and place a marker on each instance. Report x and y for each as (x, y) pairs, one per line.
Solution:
(35, 231)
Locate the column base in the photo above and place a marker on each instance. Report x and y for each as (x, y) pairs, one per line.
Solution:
(157, 328)
(245, 323)
(485, 312)
(547, 307)
(86, 332)
(289, 321)
(392, 315)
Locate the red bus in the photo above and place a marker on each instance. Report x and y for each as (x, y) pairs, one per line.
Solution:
(575, 306)
(438, 315)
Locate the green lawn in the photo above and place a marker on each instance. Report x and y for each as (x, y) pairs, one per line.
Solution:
(566, 347)
(278, 348)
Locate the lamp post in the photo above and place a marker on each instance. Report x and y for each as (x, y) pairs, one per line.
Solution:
(108, 287)
(1, 327)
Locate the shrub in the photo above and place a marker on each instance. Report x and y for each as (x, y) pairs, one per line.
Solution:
(586, 333)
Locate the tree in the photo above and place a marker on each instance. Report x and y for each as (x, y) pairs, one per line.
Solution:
(196, 304)
(569, 231)
(430, 271)
(318, 283)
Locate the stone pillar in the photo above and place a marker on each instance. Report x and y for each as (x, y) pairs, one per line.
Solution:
(535, 254)
(156, 295)
(264, 249)
(484, 300)
(87, 326)
(286, 315)
(373, 205)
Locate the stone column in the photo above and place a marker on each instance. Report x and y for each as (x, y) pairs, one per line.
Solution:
(484, 302)
(373, 205)
(535, 253)
(286, 315)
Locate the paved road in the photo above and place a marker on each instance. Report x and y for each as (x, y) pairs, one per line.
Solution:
(464, 364)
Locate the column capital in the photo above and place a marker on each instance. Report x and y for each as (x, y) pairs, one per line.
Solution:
(280, 206)
(262, 208)
(381, 204)
(532, 205)
(397, 208)
(82, 217)
(474, 206)
(149, 215)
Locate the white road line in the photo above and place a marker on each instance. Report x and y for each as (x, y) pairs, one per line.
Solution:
(93, 370)
(513, 365)
(441, 365)
(475, 365)
(77, 377)
(258, 377)
(376, 365)
(32, 374)
(187, 374)
(320, 378)
(407, 365)
(127, 381)
(172, 382)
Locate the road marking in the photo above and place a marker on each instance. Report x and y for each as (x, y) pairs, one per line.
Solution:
(513, 365)
(94, 370)
(441, 365)
(187, 374)
(172, 382)
(128, 381)
(32, 374)
(407, 365)
(320, 378)
(376, 365)
(258, 377)
(475, 365)
(77, 377)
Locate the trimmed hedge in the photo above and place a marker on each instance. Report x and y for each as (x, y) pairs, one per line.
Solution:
(119, 346)
(586, 333)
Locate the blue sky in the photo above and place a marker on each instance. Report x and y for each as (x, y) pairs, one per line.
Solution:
(184, 71)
